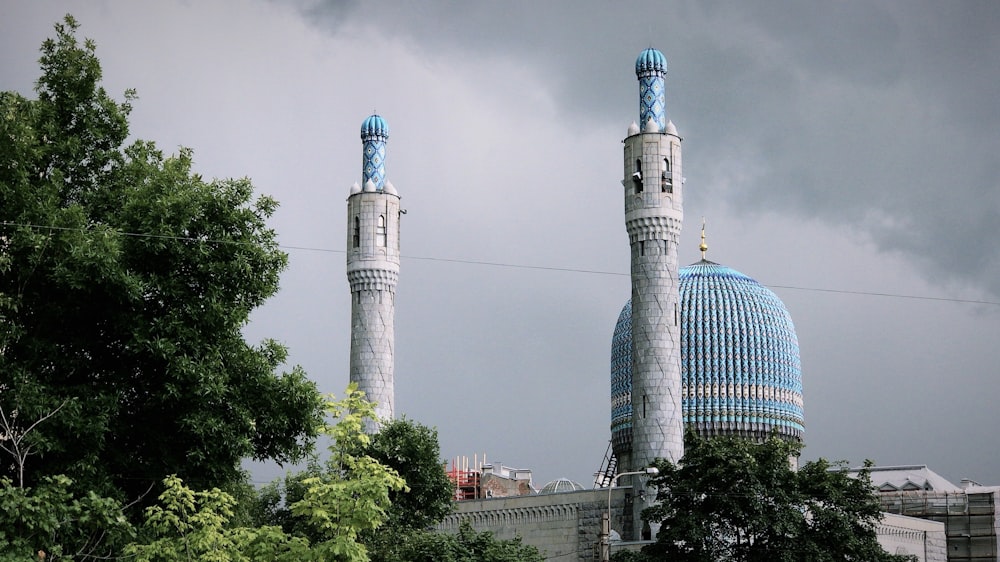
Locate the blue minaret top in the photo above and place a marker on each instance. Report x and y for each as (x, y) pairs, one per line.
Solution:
(650, 68)
(374, 134)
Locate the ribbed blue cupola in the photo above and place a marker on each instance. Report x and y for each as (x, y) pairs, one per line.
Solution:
(650, 69)
(374, 134)
(740, 366)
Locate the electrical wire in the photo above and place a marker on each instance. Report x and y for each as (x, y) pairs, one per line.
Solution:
(508, 265)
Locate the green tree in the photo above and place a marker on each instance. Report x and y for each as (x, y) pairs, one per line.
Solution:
(190, 525)
(409, 448)
(731, 499)
(412, 450)
(50, 518)
(334, 508)
(467, 545)
(125, 281)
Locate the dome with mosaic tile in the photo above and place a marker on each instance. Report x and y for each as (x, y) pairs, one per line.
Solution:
(740, 367)
(650, 60)
(374, 126)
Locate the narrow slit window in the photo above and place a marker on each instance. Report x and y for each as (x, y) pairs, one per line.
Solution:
(667, 177)
(357, 232)
(380, 232)
(637, 176)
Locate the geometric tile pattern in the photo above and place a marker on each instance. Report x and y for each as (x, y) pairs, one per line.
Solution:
(653, 219)
(657, 424)
(621, 380)
(651, 101)
(650, 68)
(739, 355)
(372, 273)
(374, 133)
(740, 364)
(372, 348)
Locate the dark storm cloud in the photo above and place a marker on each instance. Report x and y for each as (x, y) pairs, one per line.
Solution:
(845, 146)
(876, 117)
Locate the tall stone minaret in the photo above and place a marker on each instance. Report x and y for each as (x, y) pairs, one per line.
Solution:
(653, 188)
(372, 271)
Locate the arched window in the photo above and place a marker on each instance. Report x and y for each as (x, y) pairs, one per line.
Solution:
(380, 232)
(667, 177)
(357, 232)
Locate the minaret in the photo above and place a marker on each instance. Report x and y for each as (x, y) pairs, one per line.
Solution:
(653, 189)
(372, 271)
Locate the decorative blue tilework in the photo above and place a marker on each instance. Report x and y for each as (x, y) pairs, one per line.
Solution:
(652, 104)
(740, 365)
(650, 68)
(374, 134)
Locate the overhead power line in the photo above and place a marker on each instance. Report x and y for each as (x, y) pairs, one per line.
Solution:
(509, 265)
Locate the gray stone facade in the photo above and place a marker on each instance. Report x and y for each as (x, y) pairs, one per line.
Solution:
(565, 527)
(653, 218)
(372, 272)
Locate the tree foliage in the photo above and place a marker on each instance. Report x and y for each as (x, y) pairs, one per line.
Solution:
(409, 448)
(50, 518)
(125, 281)
(412, 450)
(190, 525)
(467, 545)
(731, 499)
(331, 512)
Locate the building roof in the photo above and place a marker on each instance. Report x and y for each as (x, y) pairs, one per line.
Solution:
(908, 478)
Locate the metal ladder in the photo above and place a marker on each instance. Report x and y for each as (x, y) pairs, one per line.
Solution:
(604, 476)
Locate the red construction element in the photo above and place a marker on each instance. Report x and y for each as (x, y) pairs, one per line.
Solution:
(466, 482)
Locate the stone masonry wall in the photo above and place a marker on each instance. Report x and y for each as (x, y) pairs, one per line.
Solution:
(565, 526)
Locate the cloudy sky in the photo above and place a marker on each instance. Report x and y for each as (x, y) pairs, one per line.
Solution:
(843, 153)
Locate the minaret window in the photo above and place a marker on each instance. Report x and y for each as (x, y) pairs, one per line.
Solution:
(637, 176)
(380, 232)
(357, 232)
(667, 182)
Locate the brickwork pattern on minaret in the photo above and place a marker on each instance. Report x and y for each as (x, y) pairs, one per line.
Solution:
(372, 340)
(372, 272)
(653, 219)
(373, 214)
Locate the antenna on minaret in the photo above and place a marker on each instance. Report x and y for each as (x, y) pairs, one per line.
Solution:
(703, 246)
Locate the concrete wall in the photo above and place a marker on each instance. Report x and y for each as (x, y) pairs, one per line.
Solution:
(565, 527)
(924, 539)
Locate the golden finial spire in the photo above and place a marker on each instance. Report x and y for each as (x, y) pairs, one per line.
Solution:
(703, 246)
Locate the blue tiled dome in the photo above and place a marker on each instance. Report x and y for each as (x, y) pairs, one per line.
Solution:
(374, 126)
(650, 60)
(740, 367)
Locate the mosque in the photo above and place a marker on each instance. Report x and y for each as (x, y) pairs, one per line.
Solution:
(702, 347)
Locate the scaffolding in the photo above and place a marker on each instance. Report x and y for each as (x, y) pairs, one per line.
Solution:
(970, 519)
(466, 481)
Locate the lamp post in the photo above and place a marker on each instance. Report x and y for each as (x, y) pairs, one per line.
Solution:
(606, 518)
